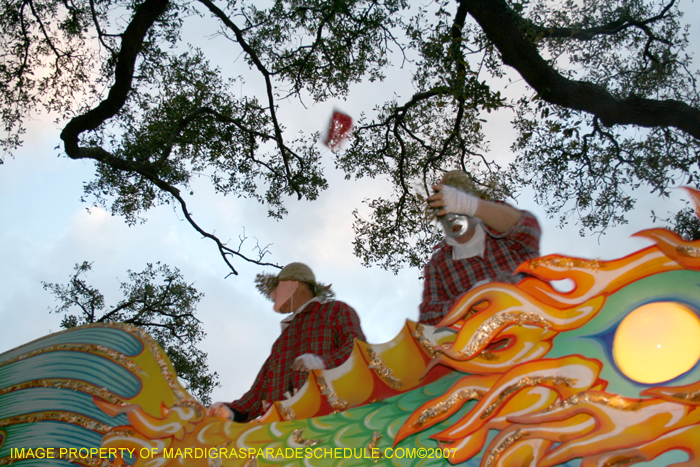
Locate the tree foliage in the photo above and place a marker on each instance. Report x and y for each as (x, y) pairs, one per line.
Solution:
(157, 299)
(611, 103)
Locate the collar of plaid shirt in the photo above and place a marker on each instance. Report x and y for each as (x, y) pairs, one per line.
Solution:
(288, 319)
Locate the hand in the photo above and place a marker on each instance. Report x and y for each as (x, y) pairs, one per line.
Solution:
(449, 199)
(437, 201)
(308, 362)
(220, 410)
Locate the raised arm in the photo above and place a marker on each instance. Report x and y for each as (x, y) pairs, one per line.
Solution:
(499, 216)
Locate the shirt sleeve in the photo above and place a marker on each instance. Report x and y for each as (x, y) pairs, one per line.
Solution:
(436, 302)
(524, 235)
(346, 328)
(251, 402)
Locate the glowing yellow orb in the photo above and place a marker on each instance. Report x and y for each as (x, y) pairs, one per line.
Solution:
(657, 342)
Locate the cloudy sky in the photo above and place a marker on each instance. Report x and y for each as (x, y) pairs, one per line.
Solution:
(45, 230)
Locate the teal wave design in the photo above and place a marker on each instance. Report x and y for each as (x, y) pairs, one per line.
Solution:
(68, 365)
(115, 339)
(30, 400)
(78, 366)
(49, 434)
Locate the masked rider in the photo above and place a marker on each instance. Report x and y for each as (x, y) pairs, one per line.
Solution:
(317, 334)
(484, 241)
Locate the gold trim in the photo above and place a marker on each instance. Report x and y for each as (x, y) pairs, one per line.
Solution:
(122, 432)
(162, 360)
(86, 461)
(615, 401)
(336, 402)
(444, 406)
(376, 364)
(376, 436)
(688, 251)
(287, 413)
(216, 462)
(688, 396)
(297, 437)
(73, 385)
(66, 417)
(526, 382)
(623, 461)
(488, 329)
(94, 349)
(488, 356)
(423, 341)
(566, 263)
(509, 440)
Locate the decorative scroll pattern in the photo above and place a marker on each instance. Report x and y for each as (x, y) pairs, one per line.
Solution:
(376, 364)
(297, 436)
(443, 407)
(335, 402)
(553, 403)
(496, 453)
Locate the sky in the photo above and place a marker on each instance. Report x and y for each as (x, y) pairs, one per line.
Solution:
(45, 230)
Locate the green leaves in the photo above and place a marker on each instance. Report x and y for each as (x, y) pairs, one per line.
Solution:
(612, 103)
(157, 299)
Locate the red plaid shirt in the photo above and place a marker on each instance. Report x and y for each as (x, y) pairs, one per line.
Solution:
(324, 329)
(447, 279)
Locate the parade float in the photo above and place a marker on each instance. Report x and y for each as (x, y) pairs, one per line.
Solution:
(606, 374)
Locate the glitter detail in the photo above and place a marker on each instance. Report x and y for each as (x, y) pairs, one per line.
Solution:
(614, 401)
(376, 436)
(566, 263)
(297, 437)
(160, 357)
(526, 382)
(85, 348)
(336, 402)
(84, 461)
(688, 251)
(57, 416)
(490, 328)
(622, 461)
(688, 396)
(162, 361)
(488, 356)
(376, 364)
(287, 413)
(123, 433)
(194, 405)
(423, 341)
(444, 406)
(80, 386)
(216, 462)
(496, 453)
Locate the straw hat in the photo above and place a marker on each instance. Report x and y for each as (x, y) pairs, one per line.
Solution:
(267, 283)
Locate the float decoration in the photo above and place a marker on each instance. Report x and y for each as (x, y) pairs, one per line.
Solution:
(521, 375)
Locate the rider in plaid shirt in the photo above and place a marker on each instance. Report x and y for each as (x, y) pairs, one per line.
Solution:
(319, 334)
(484, 241)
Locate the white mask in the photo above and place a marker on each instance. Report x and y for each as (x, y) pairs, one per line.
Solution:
(458, 225)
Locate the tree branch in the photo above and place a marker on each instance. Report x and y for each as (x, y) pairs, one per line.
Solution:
(132, 41)
(501, 26)
(284, 151)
